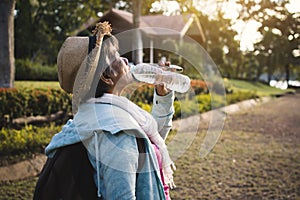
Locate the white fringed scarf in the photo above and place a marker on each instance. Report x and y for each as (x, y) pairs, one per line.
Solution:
(143, 118)
(148, 124)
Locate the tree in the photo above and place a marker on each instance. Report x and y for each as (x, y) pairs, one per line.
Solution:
(280, 35)
(221, 45)
(137, 36)
(220, 42)
(42, 25)
(280, 31)
(7, 65)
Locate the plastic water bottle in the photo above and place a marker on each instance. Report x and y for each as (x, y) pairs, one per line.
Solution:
(152, 74)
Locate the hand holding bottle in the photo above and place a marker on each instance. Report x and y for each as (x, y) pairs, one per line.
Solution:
(149, 73)
(160, 88)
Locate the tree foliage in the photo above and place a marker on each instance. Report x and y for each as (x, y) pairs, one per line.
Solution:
(42, 26)
(220, 42)
(276, 50)
(280, 34)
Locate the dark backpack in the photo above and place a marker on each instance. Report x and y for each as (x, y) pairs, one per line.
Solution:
(68, 175)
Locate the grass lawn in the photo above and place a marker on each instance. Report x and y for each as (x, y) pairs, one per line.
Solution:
(258, 87)
(37, 84)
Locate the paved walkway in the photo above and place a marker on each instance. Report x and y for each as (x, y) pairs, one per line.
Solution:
(279, 118)
(256, 157)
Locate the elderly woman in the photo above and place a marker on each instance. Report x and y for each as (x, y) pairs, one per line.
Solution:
(125, 144)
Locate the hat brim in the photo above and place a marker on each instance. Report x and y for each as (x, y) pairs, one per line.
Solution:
(70, 57)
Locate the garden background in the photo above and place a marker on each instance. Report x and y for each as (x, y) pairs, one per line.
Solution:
(33, 107)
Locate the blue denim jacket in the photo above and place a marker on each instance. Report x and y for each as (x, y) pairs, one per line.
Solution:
(109, 134)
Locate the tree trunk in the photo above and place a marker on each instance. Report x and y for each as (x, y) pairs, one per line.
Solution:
(287, 72)
(270, 68)
(258, 73)
(137, 37)
(7, 59)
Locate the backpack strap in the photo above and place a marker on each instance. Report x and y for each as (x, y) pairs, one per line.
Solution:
(142, 153)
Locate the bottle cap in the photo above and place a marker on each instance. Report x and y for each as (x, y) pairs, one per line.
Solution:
(176, 68)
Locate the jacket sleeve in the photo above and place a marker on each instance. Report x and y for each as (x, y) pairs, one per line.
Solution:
(163, 111)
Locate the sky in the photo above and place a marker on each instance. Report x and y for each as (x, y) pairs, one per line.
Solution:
(247, 31)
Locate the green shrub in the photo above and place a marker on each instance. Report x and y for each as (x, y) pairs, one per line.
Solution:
(218, 101)
(240, 96)
(144, 94)
(30, 139)
(23, 102)
(144, 106)
(28, 70)
(13, 103)
(204, 102)
(185, 108)
(208, 102)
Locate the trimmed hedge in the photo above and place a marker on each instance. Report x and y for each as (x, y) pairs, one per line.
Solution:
(203, 103)
(185, 108)
(238, 96)
(16, 103)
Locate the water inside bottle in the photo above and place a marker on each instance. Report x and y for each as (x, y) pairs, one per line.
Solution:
(152, 74)
(148, 78)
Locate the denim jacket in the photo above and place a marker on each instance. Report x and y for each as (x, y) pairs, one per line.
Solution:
(109, 134)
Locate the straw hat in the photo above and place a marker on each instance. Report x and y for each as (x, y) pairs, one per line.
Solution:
(74, 52)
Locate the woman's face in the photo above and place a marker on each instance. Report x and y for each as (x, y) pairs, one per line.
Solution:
(122, 76)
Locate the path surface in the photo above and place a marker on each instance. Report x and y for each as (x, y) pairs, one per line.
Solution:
(279, 119)
(256, 157)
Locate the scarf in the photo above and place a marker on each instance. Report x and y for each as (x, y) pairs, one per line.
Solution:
(148, 125)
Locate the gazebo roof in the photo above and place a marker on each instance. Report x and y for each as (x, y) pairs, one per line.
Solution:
(157, 25)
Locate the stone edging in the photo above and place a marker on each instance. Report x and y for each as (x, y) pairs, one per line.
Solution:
(23, 169)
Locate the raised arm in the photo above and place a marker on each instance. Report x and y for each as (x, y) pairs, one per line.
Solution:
(163, 110)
